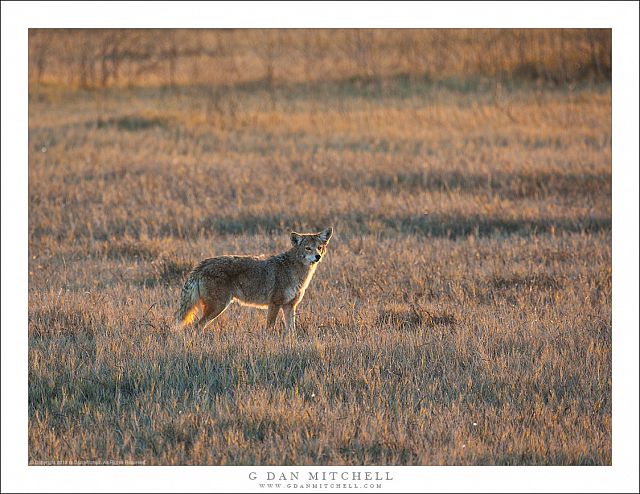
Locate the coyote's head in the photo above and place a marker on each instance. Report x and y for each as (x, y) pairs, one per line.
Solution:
(310, 247)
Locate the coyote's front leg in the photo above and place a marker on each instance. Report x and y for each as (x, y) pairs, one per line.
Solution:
(290, 317)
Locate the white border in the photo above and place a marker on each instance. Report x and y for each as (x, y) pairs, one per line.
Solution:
(621, 16)
(315, 14)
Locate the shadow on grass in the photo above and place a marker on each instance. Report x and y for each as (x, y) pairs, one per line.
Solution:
(351, 223)
(196, 378)
(402, 85)
(451, 227)
(166, 271)
(507, 185)
(131, 123)
(412, 318)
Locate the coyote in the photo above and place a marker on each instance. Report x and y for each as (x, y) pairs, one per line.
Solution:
(272, 283)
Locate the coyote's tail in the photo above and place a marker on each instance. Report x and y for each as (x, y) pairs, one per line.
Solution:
(190, 302)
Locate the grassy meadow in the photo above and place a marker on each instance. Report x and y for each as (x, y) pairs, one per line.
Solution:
(462, 315)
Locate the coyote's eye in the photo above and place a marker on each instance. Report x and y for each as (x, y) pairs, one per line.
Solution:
(308, 249)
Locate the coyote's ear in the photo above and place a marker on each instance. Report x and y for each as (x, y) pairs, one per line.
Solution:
(325, 235)
(296, 238)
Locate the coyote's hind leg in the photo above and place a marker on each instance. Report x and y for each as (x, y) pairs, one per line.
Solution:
(212, 309)
(272, 315)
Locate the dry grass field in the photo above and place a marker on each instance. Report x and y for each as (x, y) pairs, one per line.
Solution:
(462, 315)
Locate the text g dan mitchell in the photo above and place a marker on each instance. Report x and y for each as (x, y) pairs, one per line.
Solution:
(320, 476)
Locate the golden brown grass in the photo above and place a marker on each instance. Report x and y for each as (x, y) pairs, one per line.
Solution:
(462, 314)
(117, 57)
